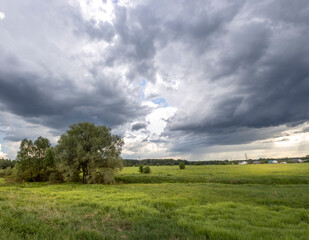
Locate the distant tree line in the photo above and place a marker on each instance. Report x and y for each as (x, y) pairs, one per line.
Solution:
(85, 153)
(172, 162)
(6, 166)
(4, 163)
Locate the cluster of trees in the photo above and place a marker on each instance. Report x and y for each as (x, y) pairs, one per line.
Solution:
(170, 162)
(5, 163)
(85, 153)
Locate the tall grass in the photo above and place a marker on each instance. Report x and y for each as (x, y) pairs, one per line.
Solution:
(160, 211)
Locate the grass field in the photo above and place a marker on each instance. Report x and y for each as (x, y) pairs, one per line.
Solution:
(200, 202)
(235, 174)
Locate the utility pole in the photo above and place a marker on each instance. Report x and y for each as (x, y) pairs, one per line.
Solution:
(246, 156)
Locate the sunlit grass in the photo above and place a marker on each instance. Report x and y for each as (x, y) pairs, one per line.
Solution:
(161, 210)
(264, 173)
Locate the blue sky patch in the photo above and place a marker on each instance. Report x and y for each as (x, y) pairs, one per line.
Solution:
(160, 101)
(143, 83)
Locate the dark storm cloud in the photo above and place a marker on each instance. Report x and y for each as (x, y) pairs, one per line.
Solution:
(138, 126)
(137, 31)
(44, 83)
(46, 98)
(145, 29)
(242, 66)
(232, 136)
(28, 96)
(265, 62)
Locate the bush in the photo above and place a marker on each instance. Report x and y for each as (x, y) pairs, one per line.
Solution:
(55, 177)
(146, 169)
(8, 171)
(182, 165)
(2, 173)
(103, 176)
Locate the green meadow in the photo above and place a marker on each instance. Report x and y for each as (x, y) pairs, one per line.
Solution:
(200, 202)
(237, 174)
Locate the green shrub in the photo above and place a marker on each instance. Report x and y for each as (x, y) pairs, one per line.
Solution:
(140, 168)
(8, 171)
(103, 176)
(2, 173)
(182, 165)
(146, 169)
(55, 177)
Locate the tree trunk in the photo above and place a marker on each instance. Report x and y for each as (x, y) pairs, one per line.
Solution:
(32, 176)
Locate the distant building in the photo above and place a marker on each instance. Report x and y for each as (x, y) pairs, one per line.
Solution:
(272, 161)
(256, 162)
(296, 160)
(242, 163)
(283, 163)
(300, 161)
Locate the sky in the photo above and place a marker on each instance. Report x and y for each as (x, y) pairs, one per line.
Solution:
(198, 80)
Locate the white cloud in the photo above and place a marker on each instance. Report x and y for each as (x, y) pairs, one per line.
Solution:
(2, 15)
(148, 142)
(2, 155)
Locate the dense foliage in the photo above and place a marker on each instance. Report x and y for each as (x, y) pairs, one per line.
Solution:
(182, 165)
(4, 163)
(90, 150)
(144, 169)
(86, 153)
(31, 164)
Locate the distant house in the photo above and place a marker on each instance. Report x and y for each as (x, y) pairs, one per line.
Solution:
(295, 160)
(283, 163)
(272, 161)
(242, 163)
(256, 162)
(300, 161)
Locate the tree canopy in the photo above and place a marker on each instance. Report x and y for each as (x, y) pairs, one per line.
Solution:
(31, 164)
(91, 151)
(86, 153)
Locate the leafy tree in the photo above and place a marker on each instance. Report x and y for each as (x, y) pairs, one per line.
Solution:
(90, 150)
(31, 164)
(140, 168)
(182, 165)
(25, 161)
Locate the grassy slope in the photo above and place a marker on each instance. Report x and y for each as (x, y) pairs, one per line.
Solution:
(161, 211)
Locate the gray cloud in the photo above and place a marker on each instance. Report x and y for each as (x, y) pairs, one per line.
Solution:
(241, 67)
(138, 126)
(52, 81)
(263, 64)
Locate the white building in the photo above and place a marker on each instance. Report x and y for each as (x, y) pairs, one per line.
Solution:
(242, 163)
